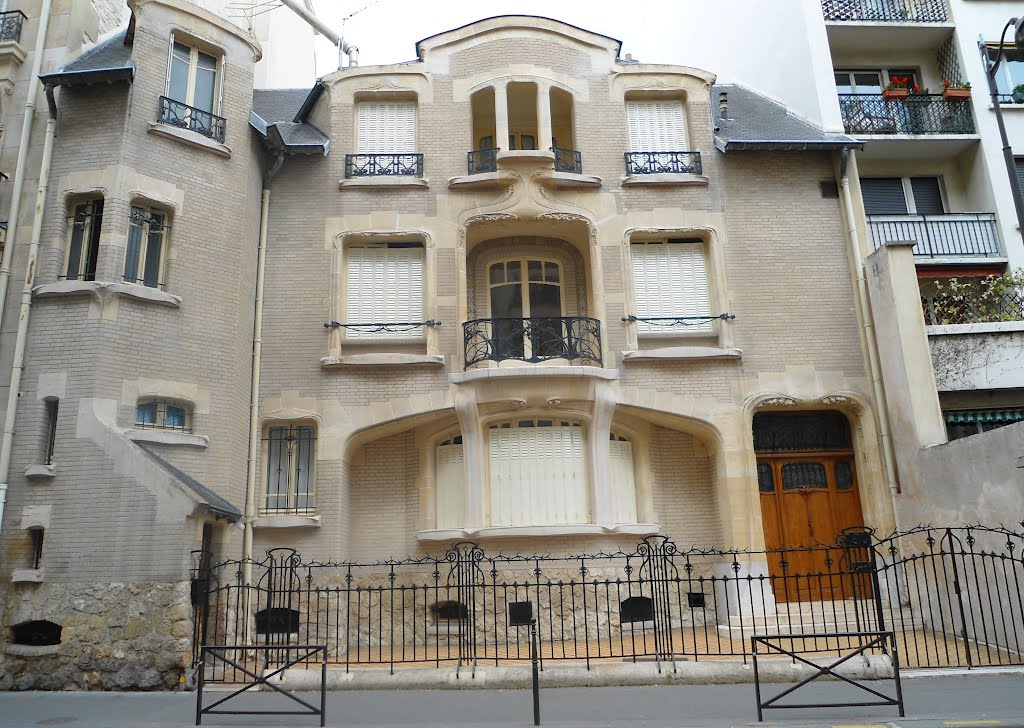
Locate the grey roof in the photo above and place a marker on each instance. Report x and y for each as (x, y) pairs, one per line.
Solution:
(217, 505)
(754, 121)
(278, 104)
(278, 114)
(110, 60)
(300, 135)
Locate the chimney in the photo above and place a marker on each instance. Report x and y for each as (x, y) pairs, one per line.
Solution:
(629, 56)
(723, 105)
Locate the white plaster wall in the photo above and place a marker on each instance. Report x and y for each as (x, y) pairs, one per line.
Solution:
(969, 357)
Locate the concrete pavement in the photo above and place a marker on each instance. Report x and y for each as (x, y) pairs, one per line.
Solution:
(977, 700)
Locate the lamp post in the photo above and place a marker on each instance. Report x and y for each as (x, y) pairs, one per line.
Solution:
(991, 66)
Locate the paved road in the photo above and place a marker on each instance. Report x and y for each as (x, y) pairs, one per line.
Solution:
(962, 701)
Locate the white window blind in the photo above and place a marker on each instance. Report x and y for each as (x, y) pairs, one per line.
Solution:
(656, 126)
(385, 285)
(386, 127)
(537, 476)
(670, 279)
(450, 479)
(620, 465)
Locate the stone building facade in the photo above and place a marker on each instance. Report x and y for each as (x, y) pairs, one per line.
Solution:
(521, 292)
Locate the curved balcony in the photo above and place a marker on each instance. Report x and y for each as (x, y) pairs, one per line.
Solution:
(532, 340)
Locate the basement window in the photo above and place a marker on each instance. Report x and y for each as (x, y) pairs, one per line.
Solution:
(636, 609)
(449, 611)
(37, 633)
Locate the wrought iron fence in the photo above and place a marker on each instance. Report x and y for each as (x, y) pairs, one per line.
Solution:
(568, 160)
(658, 162)
(886, 11)
(11, 23)
(482, 160)
(367, 165)
(913, 114)
(575, 338)
(951, 596)
(962, 235)
(176, 113)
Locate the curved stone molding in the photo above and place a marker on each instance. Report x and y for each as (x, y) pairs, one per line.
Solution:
(840, 401)
(778, 401)
(190, 138)
(533, 371)
(683, 352)
(665, 179)
(168, 437)
(383, 181)
(40, 472)
(286, 520)
(103, 290)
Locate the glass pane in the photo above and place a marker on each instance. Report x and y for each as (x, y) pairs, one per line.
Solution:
(131, 257)
(498, 273)
(154, 250)
(206, 80)
(843, 85)
(1014, 70)
(821, 431)
(903, 73)
(959, 430)
(844, 475)
(765, 478)
(514, 270)
(507, 301)
(551, 272)
(528, 141)
(303, 463)
(174, 417)
(145, 414)
(803, 475)
(277, 476)
(79, 225)
(867, 83)
(93, 242)
(535, 270)
(545, 300)
(207, 61)
(177, 88)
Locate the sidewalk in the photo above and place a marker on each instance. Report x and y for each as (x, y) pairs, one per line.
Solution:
(957, 701)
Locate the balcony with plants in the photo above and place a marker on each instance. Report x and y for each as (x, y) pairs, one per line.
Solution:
(904, 107)
(885, 11)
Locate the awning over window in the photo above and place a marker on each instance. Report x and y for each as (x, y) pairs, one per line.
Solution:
(1007, 415)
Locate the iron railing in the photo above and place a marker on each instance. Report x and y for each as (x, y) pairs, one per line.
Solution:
(574, 338)
(370, 165)
(952, 597)
(11, 23)
(913, 114)
(886, 11)
(176, 113)
(961, 235)
(482, 160)
(658, 162)
(568, 160)
(944, 308)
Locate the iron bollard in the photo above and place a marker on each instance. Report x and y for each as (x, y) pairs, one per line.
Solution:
(536, 671)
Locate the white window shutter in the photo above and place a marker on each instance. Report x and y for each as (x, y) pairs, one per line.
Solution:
(386, 127)
(670, 279)
(656, 126)
(450, 479)
(385, 285)
(620, 465)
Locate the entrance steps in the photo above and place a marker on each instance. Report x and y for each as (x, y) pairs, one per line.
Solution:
(823, 618)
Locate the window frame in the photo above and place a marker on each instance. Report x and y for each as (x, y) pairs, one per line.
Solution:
(52, 409)
(195, 48)
(647, 330)
(292, 478)
(1003, 77)
(88, 213)
(144, 244)
(355, 335)
(908, 192)
(161, 415)
(884, 74)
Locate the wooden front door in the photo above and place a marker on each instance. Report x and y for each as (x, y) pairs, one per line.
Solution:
(807, 499)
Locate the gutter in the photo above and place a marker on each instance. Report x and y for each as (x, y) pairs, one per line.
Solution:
(90, 76)
(779, 145)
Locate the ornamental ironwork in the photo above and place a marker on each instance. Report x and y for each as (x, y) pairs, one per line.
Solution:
(574, 338)
(913, 114)
(11, 23)
(568, 160)
(885, 11)
(677, 320)
(183, 116)
(390, 327)
(482, 160)
(386, 165)
(663, 162)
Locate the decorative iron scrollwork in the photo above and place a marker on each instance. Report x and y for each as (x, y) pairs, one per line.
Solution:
(390, 327)
(532, 339)
(482, 160)
(183, 116)
(568, 160)
(677, 320)
(663, 162)
(386, 165)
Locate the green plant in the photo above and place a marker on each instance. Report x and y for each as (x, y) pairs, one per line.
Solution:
(959, 84)
(974, 299)
(1019, 88)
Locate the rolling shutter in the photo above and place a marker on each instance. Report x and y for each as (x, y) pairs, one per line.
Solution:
(656, 126)
(883, 196)
(620, 465)
(1019, 163)
(927, 195)
(386, 127)
(385, 285)
(450, 475)
(670, 279)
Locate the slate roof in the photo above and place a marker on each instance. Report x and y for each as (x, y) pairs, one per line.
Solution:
(754, 121)
(278, 114)
(211, 500)
(110, 60)
(278, 104)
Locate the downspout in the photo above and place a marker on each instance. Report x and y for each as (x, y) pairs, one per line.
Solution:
(864, 306)
(26, 300)
(325, 30)
(257, 353)
(19, 169)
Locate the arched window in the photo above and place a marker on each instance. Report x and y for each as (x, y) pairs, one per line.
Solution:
(166, 414)
(526, 305)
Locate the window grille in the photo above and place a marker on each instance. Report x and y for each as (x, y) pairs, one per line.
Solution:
(143, 261)
(163, 414)
(290, 452)
(84, 241)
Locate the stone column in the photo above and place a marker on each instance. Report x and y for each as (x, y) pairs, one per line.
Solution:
(473, 452)
(501, 115)
(543, 116)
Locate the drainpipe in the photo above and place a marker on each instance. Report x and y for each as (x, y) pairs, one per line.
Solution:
(864, 306)
(257, 353)
(324, 29)
(26, 300)
(22, 163)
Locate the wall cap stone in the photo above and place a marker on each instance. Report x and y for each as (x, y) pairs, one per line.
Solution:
(383, 360)
(168, 437)
(385, 181)
(40, 472)
(482, 179)
(990, 327)
(27, 576)
(682, 352)
(190, 138)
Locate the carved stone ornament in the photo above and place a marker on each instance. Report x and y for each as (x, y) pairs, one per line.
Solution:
(554, 402)
(493, 217)
(840, 401)
(518, 404)
(778, 402)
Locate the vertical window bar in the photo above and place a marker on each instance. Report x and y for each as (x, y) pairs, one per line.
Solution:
(51, 429)
(37, 547)
(93, 247)
(131, 258)
(154, 250)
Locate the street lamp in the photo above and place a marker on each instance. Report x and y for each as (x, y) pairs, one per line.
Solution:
(991, 66)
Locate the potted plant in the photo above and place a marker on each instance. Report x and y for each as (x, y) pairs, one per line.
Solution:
(956, 90)
(897, 88)
(1018, 93)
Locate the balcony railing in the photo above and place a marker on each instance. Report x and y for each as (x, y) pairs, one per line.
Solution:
(176, 113)
(955, 235)
(372, 165)
(10, 25)
(574, 338)
(659, 162)
(943, 308)
(885, 11)
(568, 160)
(914, 114)
(482, 160)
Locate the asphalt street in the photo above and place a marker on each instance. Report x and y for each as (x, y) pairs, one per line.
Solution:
(951, 701)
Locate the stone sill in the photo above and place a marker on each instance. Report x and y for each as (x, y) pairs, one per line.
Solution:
(27, 576)
(11, 50)
(665, 179)
(190, 138)
(481, 179)
(529, 156)
(382, 360)
(142, 294)
(682, 352)
(992, 327)
(168, 437)
(40, 472)
(576, 529)
(571, 179)
(286, 520)
(32, 650)
(384, 181)
(533, 371)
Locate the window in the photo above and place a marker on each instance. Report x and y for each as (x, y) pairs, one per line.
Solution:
(450, 477)
(522, 289)
(84, 240)
(1019, 164)
(51, 430)
(36, 553)
(143, 259)
(656, 126)
(289, 454)
(163, 414)
(193, 77)
(386, 127)
(871, 81)
(670, 279)
(620, 461)
(902, 196)
(385, 286)
(537, 473)
(964, 423)
(1011, 70)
